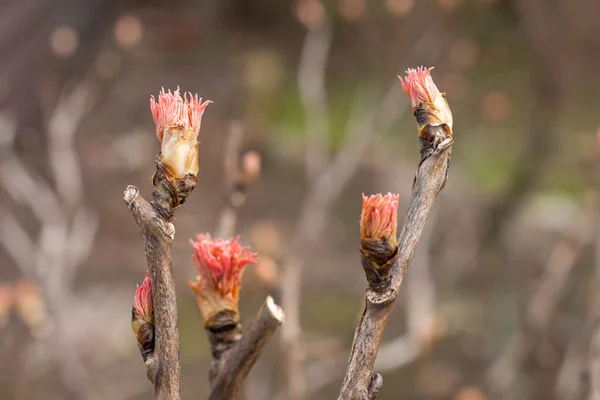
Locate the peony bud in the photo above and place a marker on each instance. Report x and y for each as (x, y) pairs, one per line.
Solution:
(220, 264)
(378, 243)
(142, 317)
(428, 103)
(379, 217)
(178, 122)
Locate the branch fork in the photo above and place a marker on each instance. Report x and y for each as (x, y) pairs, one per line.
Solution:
(170, 191)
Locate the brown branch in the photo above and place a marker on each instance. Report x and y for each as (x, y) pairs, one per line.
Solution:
(154, 223)
(360, 383)
(240, 352)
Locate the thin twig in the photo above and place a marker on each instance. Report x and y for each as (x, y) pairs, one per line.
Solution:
(62, 127)
(157, 236)
(24, 187)
(239, 359)
(420, 310)
(360, 382)
(81, 237)
(228, 217)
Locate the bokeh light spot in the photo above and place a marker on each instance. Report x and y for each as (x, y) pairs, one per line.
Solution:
(399, 7)
(64, 41)
(310, 12)
(353, 10)
(470, 393)
(128, 31)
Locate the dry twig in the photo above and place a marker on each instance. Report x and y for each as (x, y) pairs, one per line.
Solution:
(157, 235)
(385, 259)
(360, 382)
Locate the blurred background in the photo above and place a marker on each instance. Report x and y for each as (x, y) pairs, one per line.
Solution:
(501, 299)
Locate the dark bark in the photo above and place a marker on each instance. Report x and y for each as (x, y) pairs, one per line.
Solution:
(236, 363)
(224, 330)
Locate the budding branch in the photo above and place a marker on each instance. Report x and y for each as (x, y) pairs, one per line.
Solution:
(360, 382)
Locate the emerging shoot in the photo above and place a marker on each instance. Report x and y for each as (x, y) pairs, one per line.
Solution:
(220, 264)
(178, 121)
(142, 317)
(378, 225)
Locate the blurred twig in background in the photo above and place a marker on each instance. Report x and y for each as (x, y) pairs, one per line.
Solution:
(312, 82)
(67, 232)
(325, 187)
(538, 313)
(240, 172)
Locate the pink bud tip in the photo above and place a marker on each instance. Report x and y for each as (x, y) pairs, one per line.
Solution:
(379, 218)
(221, 264)
(142, 302)
(173, 110)
(419, 87)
